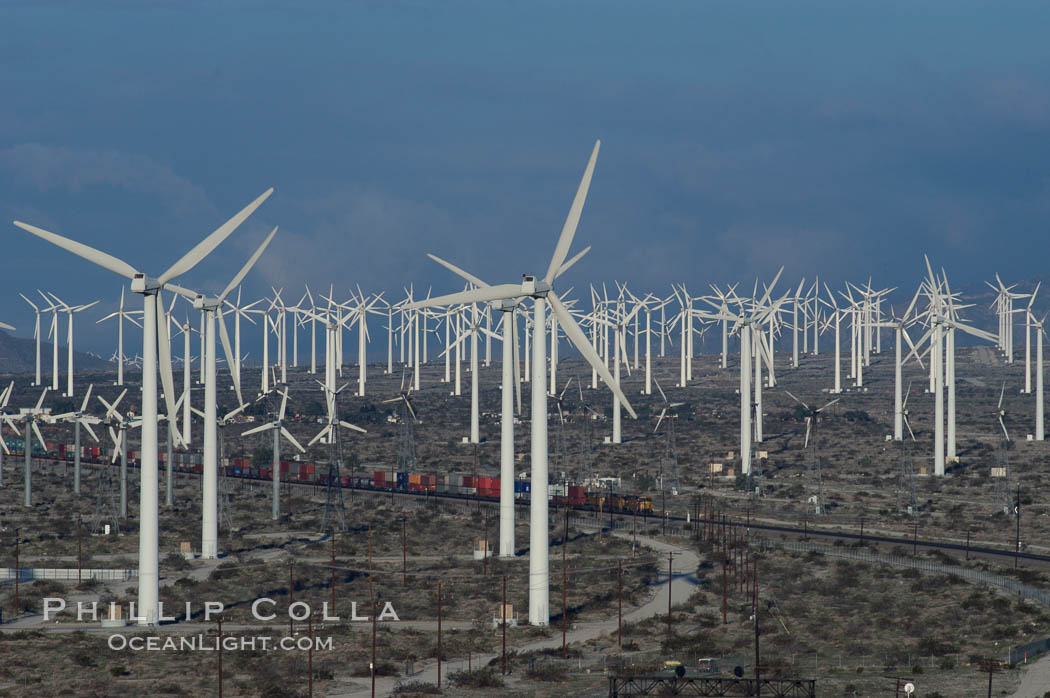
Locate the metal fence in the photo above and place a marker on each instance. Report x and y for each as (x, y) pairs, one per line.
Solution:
(27, 574)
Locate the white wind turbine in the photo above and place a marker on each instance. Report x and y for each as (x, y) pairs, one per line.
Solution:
(359, 308)
(279, 430)
(8, 419)
(473, 327)
(122, 422)
(212, 307)
(239, 311)
(36, 333)
(52, 334)
(70, 310)
(511, 371)
(154, 346)
(330, 432)
(32, 416)
(747, 322)
(1040, 330)
(79, 418)
(1028, 342)
(121, 315)
(542, 291)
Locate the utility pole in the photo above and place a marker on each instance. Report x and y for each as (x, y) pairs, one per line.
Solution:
(564, 584)
(758, 680)
(220, 656)
(439, 636)
(485, 551)
(18, 570)
(310, 656)
(724, 561)
(967, 545)
(619, 604)
(291, 598)
(670, 578)
(503, 618)
(404, 558)
(1017, 537)
(333, 571)
(80, 557)
(373, 665)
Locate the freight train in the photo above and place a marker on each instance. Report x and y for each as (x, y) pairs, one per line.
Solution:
(457, 484)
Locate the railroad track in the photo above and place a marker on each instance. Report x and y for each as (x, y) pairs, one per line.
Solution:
(674, 526)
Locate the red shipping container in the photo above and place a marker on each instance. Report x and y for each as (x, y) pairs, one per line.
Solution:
(96, 451)
(469, 481)
(379, 477)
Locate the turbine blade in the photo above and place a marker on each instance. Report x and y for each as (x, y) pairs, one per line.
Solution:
(480, 295)
(288, 435)
(247, 266)
(348, 425)
(106, 261)
(809, 421)
(258, 429)
(578, 338)
(459, 272)
(568, 231)
(662, 395)
(320, 434)
(205, 246)
(224, 335)
(164, 365)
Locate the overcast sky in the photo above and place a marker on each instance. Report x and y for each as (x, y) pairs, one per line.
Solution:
(837, 138)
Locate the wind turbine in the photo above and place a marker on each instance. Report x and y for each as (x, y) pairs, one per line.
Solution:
(746, 322)
(155, 347)
(121, 315)
(32, 416)
(79, 418)
(1028, 342)
(330, 432)
(70, 310)
(279, 430)
(6, 418)
(212, 307)
(122, 422)
(36, 333)
(541, 290)
(511, 375)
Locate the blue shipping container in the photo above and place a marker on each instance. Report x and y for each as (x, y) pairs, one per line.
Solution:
(402, 481)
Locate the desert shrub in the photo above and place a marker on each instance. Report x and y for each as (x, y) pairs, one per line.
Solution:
(547, 671)
(479, 678)
(417, 688)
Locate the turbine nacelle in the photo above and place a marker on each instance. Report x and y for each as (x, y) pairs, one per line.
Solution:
(531, 286)
(140, 283)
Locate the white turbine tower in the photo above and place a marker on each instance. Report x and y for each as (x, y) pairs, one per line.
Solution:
(542, 291)
(8, 419)
(279, 430)
(511, 371)
(79, 418)
(121, 315)
(212, 307)
(31, 417)
(69, 310)
(154, 347)
(36, 333)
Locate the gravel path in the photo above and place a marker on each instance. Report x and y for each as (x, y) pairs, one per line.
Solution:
(685, 580)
